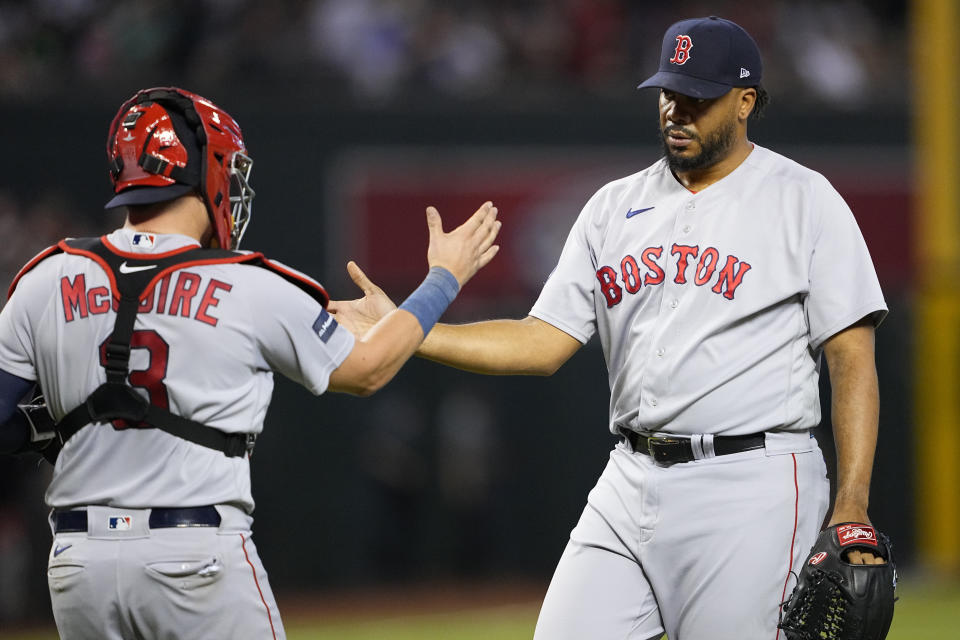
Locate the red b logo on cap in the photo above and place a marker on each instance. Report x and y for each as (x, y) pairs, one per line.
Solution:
(682, 53)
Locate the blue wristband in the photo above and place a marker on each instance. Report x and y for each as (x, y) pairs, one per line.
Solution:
(432, 297)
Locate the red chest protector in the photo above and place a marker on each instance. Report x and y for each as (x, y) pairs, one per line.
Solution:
(116, 399)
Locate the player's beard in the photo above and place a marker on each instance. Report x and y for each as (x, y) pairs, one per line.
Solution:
(712, 150)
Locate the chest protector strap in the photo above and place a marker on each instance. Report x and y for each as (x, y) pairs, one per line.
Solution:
(130, 278)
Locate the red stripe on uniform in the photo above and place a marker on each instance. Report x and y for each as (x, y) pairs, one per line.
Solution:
(30, 265)
(100, 261)
(316, 286)
(793, 540)
(257, 582)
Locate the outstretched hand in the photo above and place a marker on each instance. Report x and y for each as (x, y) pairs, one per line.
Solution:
(466, 249)
(463, 251)
(359, 315)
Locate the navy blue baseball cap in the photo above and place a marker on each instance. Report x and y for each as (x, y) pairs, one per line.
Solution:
(705, 58)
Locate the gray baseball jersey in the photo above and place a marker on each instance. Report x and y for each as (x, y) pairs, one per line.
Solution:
(209, 340)
(712, 307)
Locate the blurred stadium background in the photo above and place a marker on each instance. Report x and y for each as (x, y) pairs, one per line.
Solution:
(445, 491)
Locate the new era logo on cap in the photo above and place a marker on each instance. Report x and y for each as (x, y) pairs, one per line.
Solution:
(744, 73)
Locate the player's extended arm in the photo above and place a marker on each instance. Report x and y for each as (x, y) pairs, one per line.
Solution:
(855, 415)
(380, 352)
(500, 347)
(496, 347)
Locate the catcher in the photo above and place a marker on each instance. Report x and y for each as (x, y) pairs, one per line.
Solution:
(155, 346)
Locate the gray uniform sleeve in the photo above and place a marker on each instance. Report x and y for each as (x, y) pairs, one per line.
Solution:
(567, 298)
(16, 331)
(843, 282)
(297, 336)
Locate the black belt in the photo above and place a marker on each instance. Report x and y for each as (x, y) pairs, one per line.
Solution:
(670, 450)
(162, 518)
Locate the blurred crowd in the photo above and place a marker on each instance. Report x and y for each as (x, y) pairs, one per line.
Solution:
(29, 226)
(26, 227)
(843, 53)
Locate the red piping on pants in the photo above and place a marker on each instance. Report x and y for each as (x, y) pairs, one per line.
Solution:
(793, 540)
(257, 582)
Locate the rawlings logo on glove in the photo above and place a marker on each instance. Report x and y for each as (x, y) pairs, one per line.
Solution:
(837, 600)
(849, 534)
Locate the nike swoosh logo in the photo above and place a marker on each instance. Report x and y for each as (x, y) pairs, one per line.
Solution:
(58, 549)
(633, 212)
(124, 268)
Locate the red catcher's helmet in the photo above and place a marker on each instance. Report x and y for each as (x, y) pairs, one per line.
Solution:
(166, 142)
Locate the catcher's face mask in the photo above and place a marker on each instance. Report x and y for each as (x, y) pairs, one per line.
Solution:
(241, 195)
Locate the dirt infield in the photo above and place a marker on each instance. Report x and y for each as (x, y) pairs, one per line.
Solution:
(385, 602)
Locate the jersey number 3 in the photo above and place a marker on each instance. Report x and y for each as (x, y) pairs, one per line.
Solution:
(150, 378)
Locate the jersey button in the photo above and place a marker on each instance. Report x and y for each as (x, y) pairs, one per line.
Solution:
(674, 303)
(691, 205)
(653, 402)
(660, 352)
(687, 229)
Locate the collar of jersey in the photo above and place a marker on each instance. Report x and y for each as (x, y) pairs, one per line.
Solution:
(121, 241)
(749, 161)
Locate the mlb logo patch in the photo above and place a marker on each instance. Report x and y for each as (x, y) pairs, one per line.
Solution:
(145, 240)
(119, 523)
(324, 325)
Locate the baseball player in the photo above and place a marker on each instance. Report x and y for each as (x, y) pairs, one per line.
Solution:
(155, 347)
(715, 279)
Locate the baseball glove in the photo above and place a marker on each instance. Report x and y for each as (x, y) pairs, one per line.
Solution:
(836, 600)
(43, 433)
